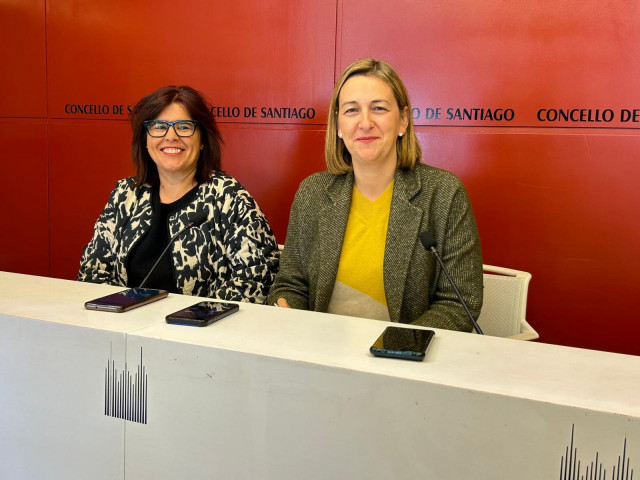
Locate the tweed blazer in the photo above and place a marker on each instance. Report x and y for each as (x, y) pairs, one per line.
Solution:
(416, 289)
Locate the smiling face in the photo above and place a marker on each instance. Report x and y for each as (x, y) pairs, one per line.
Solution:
(369, 121)
(173, 155)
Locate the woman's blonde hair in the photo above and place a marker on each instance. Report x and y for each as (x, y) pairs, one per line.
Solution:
(408, 148)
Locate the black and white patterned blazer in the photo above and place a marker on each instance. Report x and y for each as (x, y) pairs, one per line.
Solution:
(233, 255)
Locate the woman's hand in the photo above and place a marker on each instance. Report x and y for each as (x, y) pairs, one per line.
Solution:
(282, 303)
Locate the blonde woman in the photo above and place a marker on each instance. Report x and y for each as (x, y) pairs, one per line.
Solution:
(352, 245)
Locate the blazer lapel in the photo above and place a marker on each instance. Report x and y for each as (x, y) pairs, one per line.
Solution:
(332, 224)
(402, 232)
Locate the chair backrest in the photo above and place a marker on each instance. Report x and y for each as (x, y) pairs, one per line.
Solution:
(505, 304)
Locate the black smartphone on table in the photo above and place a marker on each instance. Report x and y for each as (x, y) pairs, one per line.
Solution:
(405, 343)
(202, 314)
(126, 299)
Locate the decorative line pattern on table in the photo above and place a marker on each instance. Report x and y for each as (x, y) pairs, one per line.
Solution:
(570, 466)
(125, 395)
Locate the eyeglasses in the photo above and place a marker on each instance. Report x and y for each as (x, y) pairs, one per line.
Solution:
(159, 128)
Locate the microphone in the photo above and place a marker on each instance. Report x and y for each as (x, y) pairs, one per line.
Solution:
(429, 243)
(198, 219)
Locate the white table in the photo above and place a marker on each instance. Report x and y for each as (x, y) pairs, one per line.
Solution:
(276, 393)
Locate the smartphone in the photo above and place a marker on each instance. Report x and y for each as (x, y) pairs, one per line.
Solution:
(202, 314)
(405, 343)
(126, 299)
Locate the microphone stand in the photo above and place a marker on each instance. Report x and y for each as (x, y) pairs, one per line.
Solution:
(464, 305)
(196, 222)
(429, 243)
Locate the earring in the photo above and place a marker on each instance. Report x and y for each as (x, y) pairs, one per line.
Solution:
(340, 134)
(400, 134)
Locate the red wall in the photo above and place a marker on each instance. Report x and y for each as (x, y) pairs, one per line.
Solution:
(555, 198)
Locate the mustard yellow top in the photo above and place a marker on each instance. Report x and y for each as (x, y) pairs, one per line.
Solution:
(362, 257)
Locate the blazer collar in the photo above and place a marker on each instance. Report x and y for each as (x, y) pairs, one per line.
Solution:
(403, 230)
(332, 225)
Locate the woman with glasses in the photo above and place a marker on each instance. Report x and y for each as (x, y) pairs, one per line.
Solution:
(353, 242)
(218, 242)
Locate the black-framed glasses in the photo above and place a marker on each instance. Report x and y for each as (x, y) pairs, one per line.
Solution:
(159, 128)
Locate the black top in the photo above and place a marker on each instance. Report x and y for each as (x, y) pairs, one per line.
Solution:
(150, 247)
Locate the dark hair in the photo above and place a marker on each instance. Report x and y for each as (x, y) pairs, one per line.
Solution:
(150, 107)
